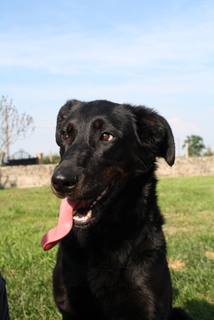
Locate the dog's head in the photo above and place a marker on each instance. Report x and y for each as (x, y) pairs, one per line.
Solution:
(103, 144)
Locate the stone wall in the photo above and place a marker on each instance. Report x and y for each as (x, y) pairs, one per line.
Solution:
(26, 176)
(39, 175)
(196, 166)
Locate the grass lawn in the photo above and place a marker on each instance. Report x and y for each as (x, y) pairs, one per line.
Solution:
(26, 214)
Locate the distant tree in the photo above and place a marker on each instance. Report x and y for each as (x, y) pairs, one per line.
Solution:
(51, 159)
(208, 153)
(13, 126)
(195, 145)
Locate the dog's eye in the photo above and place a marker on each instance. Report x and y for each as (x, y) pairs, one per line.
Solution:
(65, 135)
(106, 136)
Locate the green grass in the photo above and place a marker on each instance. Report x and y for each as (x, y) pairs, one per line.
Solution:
(26, 214)
(188, 207)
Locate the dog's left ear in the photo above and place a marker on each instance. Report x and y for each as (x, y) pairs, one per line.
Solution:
(155, 134)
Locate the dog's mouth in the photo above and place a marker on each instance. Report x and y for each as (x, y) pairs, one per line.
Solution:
(86, 212)
(79, 213)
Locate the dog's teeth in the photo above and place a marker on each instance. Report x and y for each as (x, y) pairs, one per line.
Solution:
(89, 214)
(74, 212)
(99, 197)
(104, 192)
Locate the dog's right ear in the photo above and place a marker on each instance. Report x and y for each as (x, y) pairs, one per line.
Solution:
(62, 115)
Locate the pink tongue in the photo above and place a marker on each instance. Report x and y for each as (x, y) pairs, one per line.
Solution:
(65, 223)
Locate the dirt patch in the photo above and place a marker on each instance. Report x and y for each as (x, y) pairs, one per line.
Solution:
(173, 230)
(176, 265)
(209, 254)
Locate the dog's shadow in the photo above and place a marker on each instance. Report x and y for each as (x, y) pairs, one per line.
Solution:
(199, 309)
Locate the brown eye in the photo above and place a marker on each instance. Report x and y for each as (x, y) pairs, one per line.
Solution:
(106, 136)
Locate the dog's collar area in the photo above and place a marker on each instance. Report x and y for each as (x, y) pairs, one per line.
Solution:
(86, 214)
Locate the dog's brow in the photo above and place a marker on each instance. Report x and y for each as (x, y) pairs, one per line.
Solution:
(70, 127)
(97, 123)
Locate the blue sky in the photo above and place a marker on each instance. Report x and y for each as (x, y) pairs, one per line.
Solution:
(144, 52)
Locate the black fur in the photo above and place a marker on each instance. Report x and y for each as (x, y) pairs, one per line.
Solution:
(113, 267)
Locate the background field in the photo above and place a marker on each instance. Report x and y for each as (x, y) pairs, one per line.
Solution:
(26, 214)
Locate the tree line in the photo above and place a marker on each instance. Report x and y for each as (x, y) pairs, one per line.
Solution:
(196, 147)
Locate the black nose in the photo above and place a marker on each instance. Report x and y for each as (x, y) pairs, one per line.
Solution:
(63, 181)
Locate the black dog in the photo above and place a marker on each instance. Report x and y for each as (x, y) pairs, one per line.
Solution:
(112, 264)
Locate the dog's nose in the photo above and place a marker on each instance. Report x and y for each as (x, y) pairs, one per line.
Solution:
(63, 182)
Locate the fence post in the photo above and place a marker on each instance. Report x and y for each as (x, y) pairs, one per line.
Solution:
(187, 150)
(40, 157)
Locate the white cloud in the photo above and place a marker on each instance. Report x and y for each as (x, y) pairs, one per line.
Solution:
(81, 53)
(181, 126)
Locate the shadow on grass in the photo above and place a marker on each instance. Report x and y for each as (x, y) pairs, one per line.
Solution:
(198, 309)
